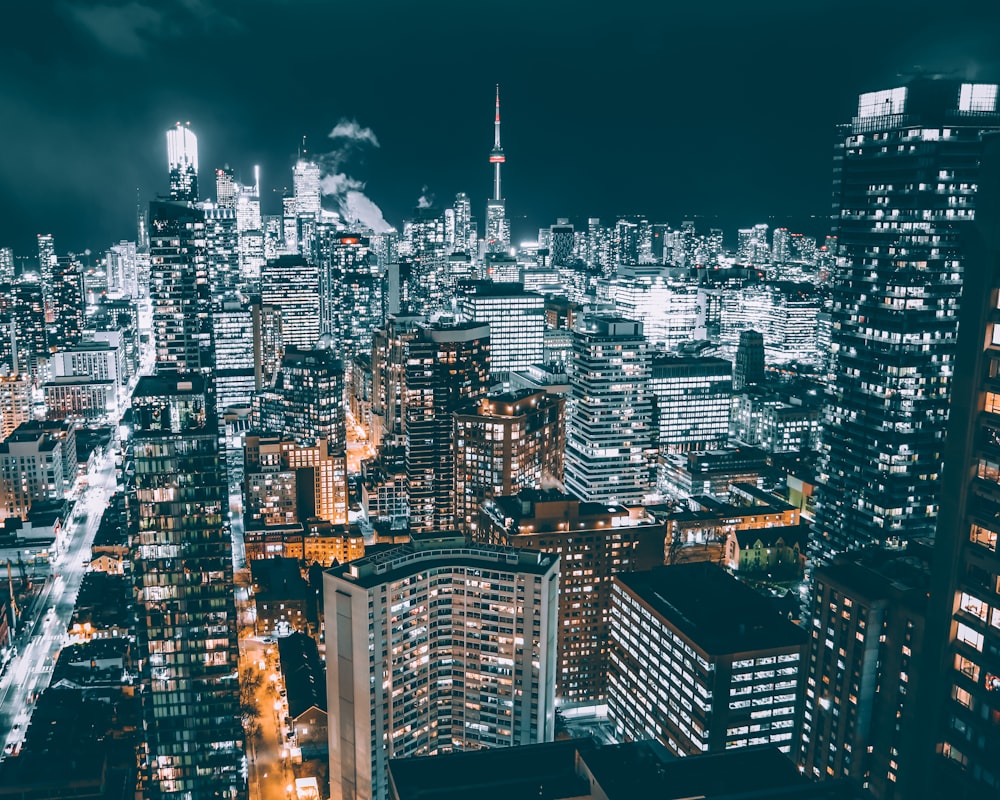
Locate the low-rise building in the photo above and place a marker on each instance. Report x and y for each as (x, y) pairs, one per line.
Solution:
(281, 595)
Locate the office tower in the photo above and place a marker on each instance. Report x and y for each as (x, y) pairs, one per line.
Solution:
(561, 243)
(497, 224)
(516, 319)
(785, 313)
(445, 680)
(765, 420)
(226, 187)
(306, 402)
(305, 185)
(183, 566)
(593, 541)
(505, 443)
(268, 346)
(31, 334)
(960, 708)
(447, 367)
(178, 287)
(702, 663)
(67, 303)
(464, 232)
(122, 266)
(609, 419)
(351, 292)
(691, 402)
(291, 285)
(780, 250)
(863, 673)
(182, 161)
(235, 372)
(6, 265)
(748, 367)
(221, 249)
(46, 257)
(667, 308)
(906, 171)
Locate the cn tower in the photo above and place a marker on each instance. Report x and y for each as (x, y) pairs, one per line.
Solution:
(497, 227)
(496, 154)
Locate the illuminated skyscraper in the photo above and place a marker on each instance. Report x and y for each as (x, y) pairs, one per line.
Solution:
(462, 638)
(67, 303)
(291, 285)
(183, 566)
(182, 161)
(609, 422)
(305, 184)
(497, 225)
(906, 172)
(178, 287)
(447, 367)
(961, 678)
(226, 188)
(6, 265)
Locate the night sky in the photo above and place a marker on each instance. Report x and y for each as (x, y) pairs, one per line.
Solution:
(720, 109)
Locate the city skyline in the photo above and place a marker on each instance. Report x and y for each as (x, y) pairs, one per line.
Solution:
(676, 117)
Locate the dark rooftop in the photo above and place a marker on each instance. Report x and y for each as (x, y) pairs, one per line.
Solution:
(305, 678)
(532, 772)
(714, 610)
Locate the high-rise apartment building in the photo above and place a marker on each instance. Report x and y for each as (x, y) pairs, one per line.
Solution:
(291, 285)
(67, 303)
(691, 402)
(15, 403)
(960, 711)
(447, 367)
(436, 646)
(504, 443)
(178, 287)
(516, 319)
(594, 541)
(182, 162)
(906, 174)
(702, 663)
(306, 402)
(183, 566)
(233, 333)
(609, 420)
(863, 675)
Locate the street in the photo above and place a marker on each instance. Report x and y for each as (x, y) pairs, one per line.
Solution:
(270, 770)
(38, 645)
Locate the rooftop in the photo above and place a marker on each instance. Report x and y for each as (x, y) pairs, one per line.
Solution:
(713, 609)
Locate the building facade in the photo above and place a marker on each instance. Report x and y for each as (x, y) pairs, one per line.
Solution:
(183, 567)
(609, 419)
(906, 173)
(433, 647)
(702, 663)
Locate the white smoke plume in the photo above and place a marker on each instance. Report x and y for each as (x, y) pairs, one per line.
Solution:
(345, 191)
(426, 200)
(350, 129)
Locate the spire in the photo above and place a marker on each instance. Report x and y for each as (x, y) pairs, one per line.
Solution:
(496, 131)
